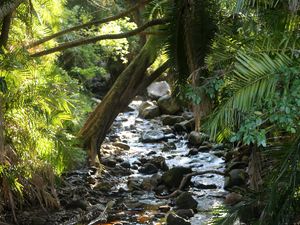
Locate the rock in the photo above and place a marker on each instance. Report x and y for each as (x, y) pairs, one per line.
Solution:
(204, 148)
(185, 126)
(206, 186)
(158, 89)
(152, 136)
(150, 112)
(185, 213)
(159, 162)
(78, 204)
(35, 220)
(173, 177)
(143, 106)
(186, 201)
(164, 208)
(171, 120)
(125, 165)
(148, 168)
(173, 219)
(103, 186)
(108, 162)
(149, 183)
(168, 146)
(237, 177)
(236, 165)
(196, 138)
(193, 152)
(168, 105)
(232, 198)
(121, 145)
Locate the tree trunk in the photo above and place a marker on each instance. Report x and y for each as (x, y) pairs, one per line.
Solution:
(9, 6)
(1, 130)
(117, 99)
(5, 30)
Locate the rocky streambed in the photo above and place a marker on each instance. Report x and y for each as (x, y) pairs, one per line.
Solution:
(141, 176)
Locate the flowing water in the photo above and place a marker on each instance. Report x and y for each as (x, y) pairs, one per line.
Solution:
(142, 206)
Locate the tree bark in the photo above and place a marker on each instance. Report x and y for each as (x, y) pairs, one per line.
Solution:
(9, 6)
(5, 30)
(119, 96)
(1, 130)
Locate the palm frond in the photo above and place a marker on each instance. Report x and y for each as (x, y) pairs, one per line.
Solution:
(253, 81)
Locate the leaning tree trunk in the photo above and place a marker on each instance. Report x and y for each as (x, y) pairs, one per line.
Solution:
(8, 7)
(117, 99)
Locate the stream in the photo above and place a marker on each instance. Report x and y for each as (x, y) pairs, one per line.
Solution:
(142, 206)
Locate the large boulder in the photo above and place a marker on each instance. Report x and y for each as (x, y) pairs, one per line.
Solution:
(148, 169)
(168, 105)
(158, 89)
(152, 136)
(186, 201)
(150, 112)
(145, 105)
(172, 178)
(173, 219)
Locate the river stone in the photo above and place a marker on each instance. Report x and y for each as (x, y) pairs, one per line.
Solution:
(121, 145)
(171, 120)
(125, 165)
(173, 177)
(168, 105)
(148, 169)
(159, 162)
(173, 219)
(108, 162)
(150, 112)
(185, 213)
(168, 146)
(158, 89)
(144, 105)
(196, 138)
(152, 136)
(232, 198)
(185, 126)
(237, 177)
(186, 201)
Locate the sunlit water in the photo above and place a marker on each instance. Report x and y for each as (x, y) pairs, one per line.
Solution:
(129, 129)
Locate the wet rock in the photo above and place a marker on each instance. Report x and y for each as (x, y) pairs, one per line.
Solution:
(149, 183)
(185, 213)
(150, 112)
(173, 219)
(185, 126)
(196, 138)
(173, 177)
(171, 120)
(232, 198)
(108, 162)
(168, 105)
(103, 186)
(193, 152)
(148, 169)
(151, 153)
(152, 136)
(134, 184)
(204, 148)
(164, 208)
(206, 186)
(125, 165)
(237, 177)
(158, 89)
(236, 165)
(159, 162)
(186, 201)
(121, 145)
(143, 106)
(168, 146)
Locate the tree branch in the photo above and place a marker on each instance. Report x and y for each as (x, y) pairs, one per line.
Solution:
(184, 181)
(85, 41)
(9, 6)
(89, 24)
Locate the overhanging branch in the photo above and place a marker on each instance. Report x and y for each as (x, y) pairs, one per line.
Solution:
(89, 24)
(85, 41)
